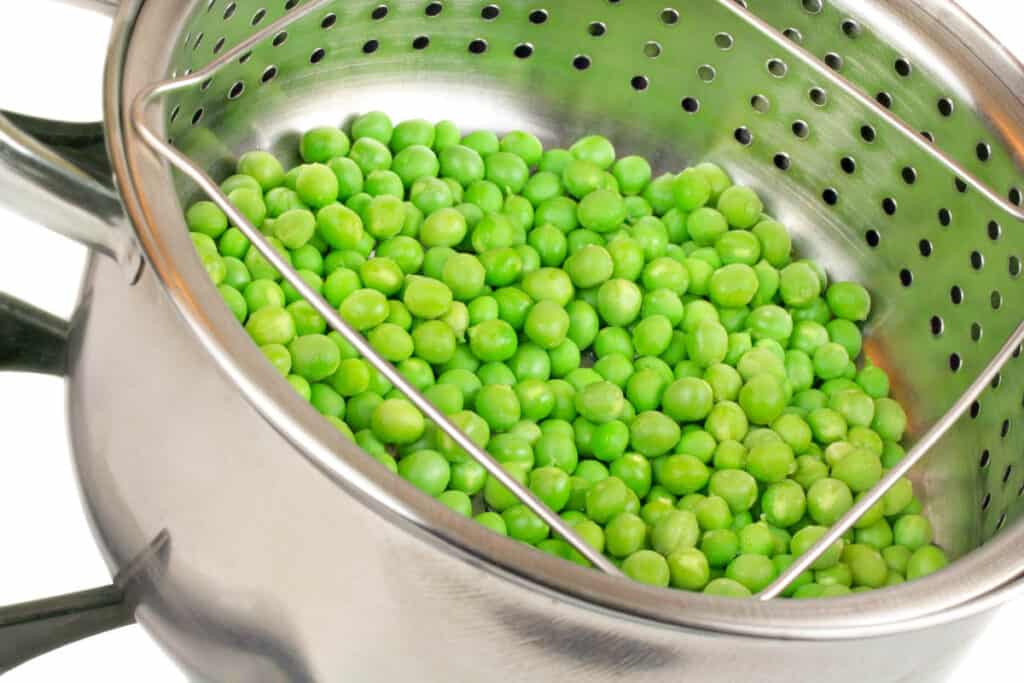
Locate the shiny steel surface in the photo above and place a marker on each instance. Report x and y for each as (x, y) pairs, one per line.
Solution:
(276, 570)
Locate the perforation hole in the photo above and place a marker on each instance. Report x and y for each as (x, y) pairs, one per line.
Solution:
(985, 459)
(490, 12)
(197, 117)
(889, 206)
(1014, 266)
(691, 105)
(1007, 473)
(199, 41)
(925, 247)
(995, 231)
(760, 104)
(945, 106)
(851, 28)
(258, 18)
(984, 151)
(906, 277)
(639, 83)
(596, 28)
(1004, 430)
(960, 185)
(955, 362)
(379, 12)
(1015, 196)
(244, 59)
(433, 9)
(229, 10)
(945, 217)
(236, 90)
(903, 67)
(975, 410)
(1001, 521)
(290, 5)
(523, 50)
(219, 45)
(478, 46)
(997, 381)
(872, 238)
(818, 96)
(370, 46)
(977, 331)
(420, 42)
(205, 85)
(834, 61)
(812, 6)
(977, 260)
(830, 196)
(777, 68)
(937, 325)
(801, 129)
(928, 135)
(986, 501)
(794, 35)
(269, 74)
(996, 299)
(280, 39)
(652, 49)
(581, 62)
(884, 99)
(174, 113)
(743, 136)
(706, 73)
(329, 21)
(539, 16)
(318, 54)
(909, 174)
(867, 133)
(848, 164)
(724, 41)
(956, 295)
(670, 16)
(782, 162)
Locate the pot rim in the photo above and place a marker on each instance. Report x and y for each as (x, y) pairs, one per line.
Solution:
(977, 582)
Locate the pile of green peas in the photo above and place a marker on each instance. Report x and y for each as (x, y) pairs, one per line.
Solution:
(643, 352)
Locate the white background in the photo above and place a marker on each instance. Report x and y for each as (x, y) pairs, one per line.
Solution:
(51, 59)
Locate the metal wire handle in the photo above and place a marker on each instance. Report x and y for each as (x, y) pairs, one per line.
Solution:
(333, 318)
(930, 438)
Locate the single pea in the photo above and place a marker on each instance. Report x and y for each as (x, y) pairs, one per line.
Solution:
(549, 284)
(262, 167)
(633, 173)
(912, 531)
(771, 462)
(808, 536)
(484, 142)
(890, 421)
(727, 421)
(849, 300)
(688, 400)
(397, 421)
(606, 499)
(752, 571)
(763, 398)
(720, 546)
(659, 193)
(828, 500)
(552, 486)
(653, 434)
(624, 534)
(878, 535)
(530, 362)
(524, 525)
(736, 487)
(799, 284)
(925, 560)
(860, 469)
(691, 190)
(364, 309)
(741, 206)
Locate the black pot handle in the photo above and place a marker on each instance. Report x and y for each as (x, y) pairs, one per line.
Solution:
(32, 340)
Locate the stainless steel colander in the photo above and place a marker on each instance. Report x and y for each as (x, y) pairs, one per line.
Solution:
(248, 564)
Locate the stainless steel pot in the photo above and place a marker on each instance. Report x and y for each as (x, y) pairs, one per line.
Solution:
(254, 543)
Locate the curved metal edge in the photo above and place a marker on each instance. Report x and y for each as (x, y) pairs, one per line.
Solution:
(835, 619)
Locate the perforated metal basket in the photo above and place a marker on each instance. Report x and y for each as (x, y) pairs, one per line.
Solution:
(878, 197)
(886, 136)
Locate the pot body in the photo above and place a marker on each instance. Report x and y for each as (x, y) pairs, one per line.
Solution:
(271, 572)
